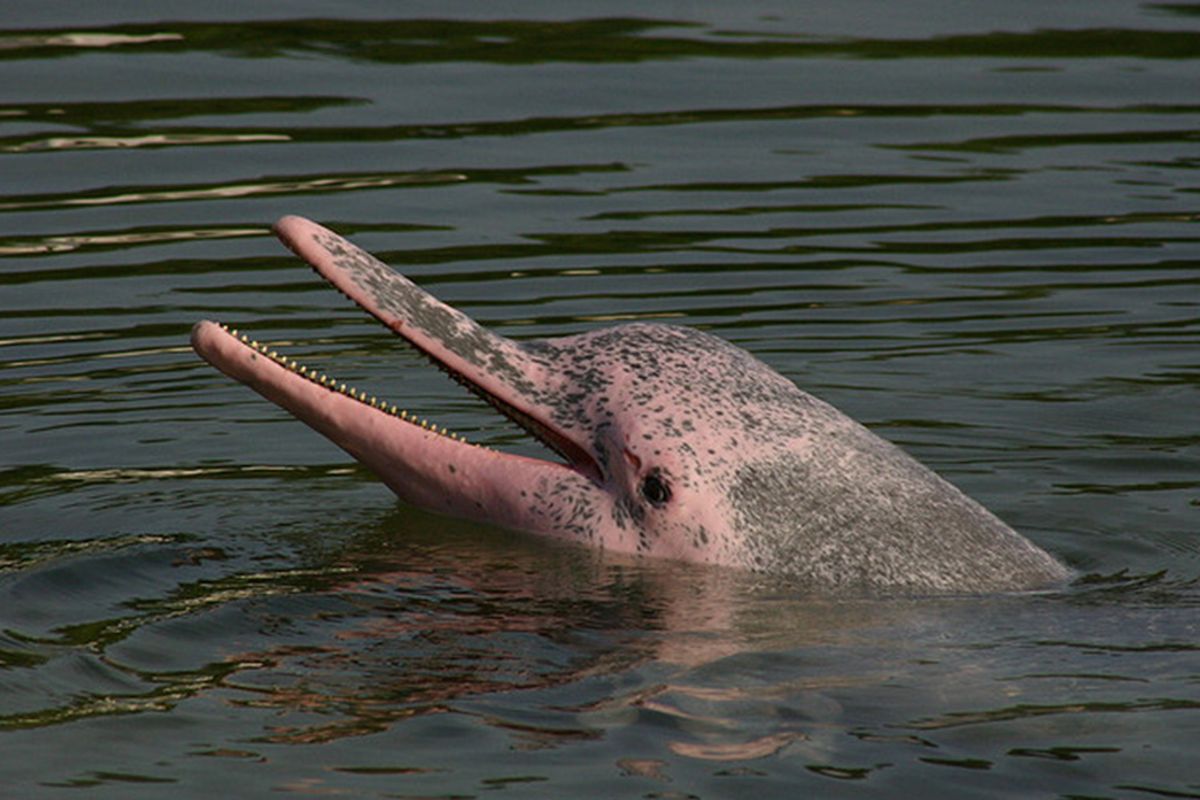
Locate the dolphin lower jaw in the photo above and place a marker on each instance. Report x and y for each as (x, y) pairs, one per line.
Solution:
(427, 466)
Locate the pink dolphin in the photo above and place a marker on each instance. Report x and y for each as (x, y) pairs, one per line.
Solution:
(674, 443)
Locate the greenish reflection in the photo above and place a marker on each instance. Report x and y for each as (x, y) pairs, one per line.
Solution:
(611, 40)
(291, 186)
(120, 125)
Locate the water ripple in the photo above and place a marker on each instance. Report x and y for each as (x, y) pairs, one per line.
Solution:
(972, 230)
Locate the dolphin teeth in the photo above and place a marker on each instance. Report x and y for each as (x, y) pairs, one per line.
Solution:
(350, 391)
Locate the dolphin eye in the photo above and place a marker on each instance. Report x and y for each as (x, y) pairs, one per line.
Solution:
(655, 489)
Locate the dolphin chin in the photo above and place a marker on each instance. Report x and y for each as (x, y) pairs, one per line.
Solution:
(673, 443)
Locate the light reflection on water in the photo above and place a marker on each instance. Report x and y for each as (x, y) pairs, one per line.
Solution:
(975, 234)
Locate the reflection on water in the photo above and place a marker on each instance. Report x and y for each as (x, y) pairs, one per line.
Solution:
(974, 232)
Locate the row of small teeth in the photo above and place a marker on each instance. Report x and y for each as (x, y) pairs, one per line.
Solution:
(332, 385)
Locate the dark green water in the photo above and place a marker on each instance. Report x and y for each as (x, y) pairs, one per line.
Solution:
(972, 227)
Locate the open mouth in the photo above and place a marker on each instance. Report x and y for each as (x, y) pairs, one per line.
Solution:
(495, 369)
(325, 381)
(575, 456)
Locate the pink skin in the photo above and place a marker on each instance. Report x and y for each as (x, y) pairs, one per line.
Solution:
(430, 469)
(425, 468)
(674, 444)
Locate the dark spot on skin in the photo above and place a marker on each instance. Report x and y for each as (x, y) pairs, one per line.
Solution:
(801, 488)
(452, 329)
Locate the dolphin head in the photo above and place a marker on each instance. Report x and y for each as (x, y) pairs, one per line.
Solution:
(673, 443)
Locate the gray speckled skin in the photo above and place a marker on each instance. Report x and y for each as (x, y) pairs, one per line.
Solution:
(760, 474)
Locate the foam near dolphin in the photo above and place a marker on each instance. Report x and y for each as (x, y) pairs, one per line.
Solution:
(674, 443)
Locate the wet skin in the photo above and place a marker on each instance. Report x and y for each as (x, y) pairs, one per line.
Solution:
(674, 443)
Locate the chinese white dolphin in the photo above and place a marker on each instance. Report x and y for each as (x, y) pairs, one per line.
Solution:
(674, 443)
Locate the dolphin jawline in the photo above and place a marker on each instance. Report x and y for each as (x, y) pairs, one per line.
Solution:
(421, 463)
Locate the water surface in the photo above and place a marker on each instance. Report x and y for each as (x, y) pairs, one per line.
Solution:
(974, 228)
